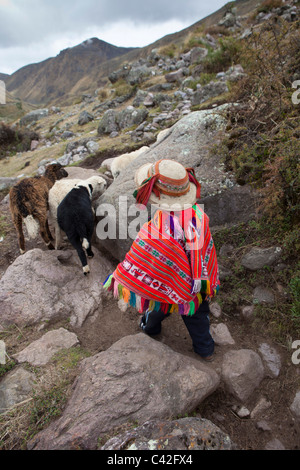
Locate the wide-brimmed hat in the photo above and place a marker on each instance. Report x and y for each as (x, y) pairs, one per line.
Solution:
(167, 184)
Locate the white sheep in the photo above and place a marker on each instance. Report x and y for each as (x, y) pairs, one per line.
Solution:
(59, 191)
(121, 162)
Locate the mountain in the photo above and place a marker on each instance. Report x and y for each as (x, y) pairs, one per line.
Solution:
(55, 77)
(4, 77)
(84, 68)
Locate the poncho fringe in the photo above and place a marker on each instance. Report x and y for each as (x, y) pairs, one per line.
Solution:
(143, 305)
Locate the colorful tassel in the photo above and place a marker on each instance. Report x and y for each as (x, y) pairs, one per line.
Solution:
(143, 193)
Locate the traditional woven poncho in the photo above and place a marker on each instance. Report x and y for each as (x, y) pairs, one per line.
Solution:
(170, 263)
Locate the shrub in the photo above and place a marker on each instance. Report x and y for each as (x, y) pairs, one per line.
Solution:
(219, 59)
(268, 152)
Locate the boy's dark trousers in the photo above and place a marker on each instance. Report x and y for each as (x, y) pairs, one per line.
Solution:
(197, 326)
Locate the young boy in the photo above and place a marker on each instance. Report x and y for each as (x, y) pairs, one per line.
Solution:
(172, 264)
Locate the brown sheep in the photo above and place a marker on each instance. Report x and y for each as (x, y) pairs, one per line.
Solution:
(28, 201)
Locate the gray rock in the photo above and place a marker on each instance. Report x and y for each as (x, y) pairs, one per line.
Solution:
(274, 444)
(221, 334)
(242, 372)
(247, 311)
(215, 309)
(181, 434)
(198, 53)
(130, 116)
(7, 182)
(263, 295)
(42, 350)
(271, 359)
(208, 91)
(295, 407)
(49, 285)
(33, 116)
(258, 257)
(181, 144)
(228, 20)
(15, 387)
(137, 378)
(262, 405)
(92, 146)
(138, 74)
(108, 122)
(84, 118)
(176, 76)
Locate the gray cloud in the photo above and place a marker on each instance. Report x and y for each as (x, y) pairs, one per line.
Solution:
(30, 27)
(26, 22)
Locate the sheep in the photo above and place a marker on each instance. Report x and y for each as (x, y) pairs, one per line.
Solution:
(28, 201)
(76, 218)
(122, 161)
(62, 188)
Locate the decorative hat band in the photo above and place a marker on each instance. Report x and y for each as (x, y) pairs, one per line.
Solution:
(161, 184)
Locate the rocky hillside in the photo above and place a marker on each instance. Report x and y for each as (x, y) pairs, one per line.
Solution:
(47, 81)
(78, 372)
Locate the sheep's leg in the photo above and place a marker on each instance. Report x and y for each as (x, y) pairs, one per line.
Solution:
(44, 233)
(57, 236)
(80, 251)
(48, 230)
(19, 228)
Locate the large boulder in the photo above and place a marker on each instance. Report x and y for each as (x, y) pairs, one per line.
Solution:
(42, 286)
(188, 142)
(137, 378)
(33, 116)
(180, 434)
(242, 372)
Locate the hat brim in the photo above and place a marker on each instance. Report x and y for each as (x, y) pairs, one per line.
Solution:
(168, 203)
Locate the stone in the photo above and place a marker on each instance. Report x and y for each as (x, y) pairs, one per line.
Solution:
(263, 295)
(262, 405)
(92, 146)
(34, 145)
(42, 286)
(295, 407)
(263, 426)
(247, 312)
(7, 182)
(215, 309)
(228, 20)
(182, 142)
(198, 53)
(243, 412)
(15, 387)
(271, 359)
(42, 350)
(212, 89)
(137, 378)
(84, 118)
(108, 122)
(274, 444)
(181, 434)
(33, 116)
(176, 76)
(242, 372)
(221, 334)
(257, 257)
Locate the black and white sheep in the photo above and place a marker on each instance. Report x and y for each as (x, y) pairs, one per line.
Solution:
(75, 217)
(62, 188)
(28, 201)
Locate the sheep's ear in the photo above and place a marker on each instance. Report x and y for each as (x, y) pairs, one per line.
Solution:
(91, 188)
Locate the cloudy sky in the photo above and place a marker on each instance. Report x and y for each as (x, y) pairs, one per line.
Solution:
(34, 30)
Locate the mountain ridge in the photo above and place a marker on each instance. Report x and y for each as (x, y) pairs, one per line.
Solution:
(77, 70)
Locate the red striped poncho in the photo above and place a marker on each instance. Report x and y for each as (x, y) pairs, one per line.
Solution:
(170, 263)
